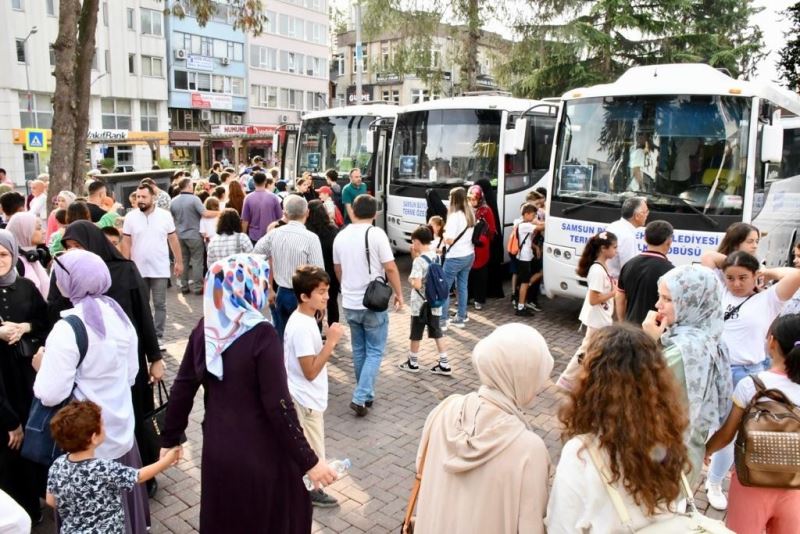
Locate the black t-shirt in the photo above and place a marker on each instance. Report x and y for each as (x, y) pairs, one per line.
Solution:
(214, 178)
(96, 212)
(639, 281)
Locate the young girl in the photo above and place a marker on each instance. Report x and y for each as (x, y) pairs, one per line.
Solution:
(208, 225)
(793, 306)
(598, 307)
(753, 510)
(87, 491)
(437, 227)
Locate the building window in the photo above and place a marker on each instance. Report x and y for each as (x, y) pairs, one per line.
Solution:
(52, 53)
(17, 5)
(436, 58)
(116, 114)
(50, 5)
(124, 155)
(263, 96)
(21, 51)
(272, 22)
(208, 83)
(108, 60)
(104, 10)
(151, 22)
(364, 59)
(40, 114)
(131, 14)
(385, 55)
(340, 101)
(152, 66)
(131, 63)
(419, 95)
(149, 116)
(396, 96)
(314, 101)
(263, 57)
(181, 79)
(339, 59)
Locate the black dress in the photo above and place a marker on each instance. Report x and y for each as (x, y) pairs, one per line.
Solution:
(130, 292)
(326, 237)
(23, 480)
(254, 450)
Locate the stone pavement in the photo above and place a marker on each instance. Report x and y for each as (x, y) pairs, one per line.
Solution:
(383, 445)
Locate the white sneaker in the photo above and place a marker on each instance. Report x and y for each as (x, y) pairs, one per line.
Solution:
(716, 498)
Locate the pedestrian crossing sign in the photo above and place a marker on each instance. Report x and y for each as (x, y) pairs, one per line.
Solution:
(35, 140)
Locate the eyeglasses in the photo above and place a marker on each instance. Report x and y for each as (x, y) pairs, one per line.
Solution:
(55, 259)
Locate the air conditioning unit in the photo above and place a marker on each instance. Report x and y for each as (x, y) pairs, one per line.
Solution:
(205, 115)
(236, 119)
(180, 53)
(284, 118)
(226, 61)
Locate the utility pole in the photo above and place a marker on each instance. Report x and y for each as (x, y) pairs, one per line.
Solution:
(359, 54)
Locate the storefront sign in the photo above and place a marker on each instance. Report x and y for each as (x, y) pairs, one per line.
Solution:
(36, 140)
(236, 129)
(211, 101)
(366, 95)
(200, 62)
(107, 135)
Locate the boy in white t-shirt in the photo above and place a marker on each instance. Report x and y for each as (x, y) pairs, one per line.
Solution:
(307, 358)
(525, 257)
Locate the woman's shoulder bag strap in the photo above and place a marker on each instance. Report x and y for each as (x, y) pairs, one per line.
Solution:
(81, 335)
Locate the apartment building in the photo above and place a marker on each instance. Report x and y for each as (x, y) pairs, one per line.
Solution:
(128, 120)
(381, 83)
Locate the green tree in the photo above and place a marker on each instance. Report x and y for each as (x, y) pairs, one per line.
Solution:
(74, 51)
(789, 63)
(576, 43)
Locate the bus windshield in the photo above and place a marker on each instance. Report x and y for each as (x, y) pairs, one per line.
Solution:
(684, 152)
(446, 146)
(334, 143)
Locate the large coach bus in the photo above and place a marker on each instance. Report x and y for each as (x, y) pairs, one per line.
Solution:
(703, 148)
(442, 144)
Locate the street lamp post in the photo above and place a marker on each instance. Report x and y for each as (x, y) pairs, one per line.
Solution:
(27, 74)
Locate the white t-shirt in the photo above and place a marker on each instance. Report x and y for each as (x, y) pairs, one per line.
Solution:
(599, 315)
(746, 388)
(38, 206)
(626, 245)
(301, 338)
(149, 248)
(208, 227)
(456, 223)
(349, 252)
(525, 233)
(745, 333)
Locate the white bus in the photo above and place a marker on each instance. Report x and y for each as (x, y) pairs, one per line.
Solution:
(453, 142)
(703, 148)
(344, 138)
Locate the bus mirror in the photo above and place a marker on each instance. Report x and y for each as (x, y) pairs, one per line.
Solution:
(520, 129)
(771, 143)
(275, 142)
(369, 141)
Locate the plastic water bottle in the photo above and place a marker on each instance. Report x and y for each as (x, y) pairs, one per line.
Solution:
(340, 466)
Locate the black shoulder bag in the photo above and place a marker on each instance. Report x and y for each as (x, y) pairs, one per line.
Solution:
(379, 292)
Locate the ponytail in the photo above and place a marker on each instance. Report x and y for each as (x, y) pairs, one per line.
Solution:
(786, 331)
(592, 250)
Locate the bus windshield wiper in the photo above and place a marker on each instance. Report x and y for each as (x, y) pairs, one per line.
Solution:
(589, 202)
(701, 213)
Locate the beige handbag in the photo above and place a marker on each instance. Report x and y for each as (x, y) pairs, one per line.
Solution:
(690, 522)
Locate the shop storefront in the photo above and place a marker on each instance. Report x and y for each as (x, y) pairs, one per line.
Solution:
(238, 144)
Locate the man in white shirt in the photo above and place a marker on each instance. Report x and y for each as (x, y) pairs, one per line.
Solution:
(38, 204)
(145, 236)
(634, 215)
(368, 329)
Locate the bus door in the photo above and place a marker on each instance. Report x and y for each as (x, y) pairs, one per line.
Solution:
(288, 154)
(381, 132)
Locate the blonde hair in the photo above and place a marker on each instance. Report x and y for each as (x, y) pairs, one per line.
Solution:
(459, 202)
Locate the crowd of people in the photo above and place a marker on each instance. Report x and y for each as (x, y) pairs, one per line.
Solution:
(691, 347)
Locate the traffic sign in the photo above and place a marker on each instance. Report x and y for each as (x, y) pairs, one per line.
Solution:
(35, 140)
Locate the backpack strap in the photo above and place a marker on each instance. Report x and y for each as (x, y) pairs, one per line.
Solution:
(366, 247)
(81, 335)
(772, 394)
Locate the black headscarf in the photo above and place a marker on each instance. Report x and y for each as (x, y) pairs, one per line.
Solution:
(91, 238)
(496, 271)
(435, 205)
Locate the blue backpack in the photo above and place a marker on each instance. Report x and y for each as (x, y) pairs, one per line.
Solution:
(436, 288)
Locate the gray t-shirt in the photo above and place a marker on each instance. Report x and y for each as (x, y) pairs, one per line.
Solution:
(187, 210)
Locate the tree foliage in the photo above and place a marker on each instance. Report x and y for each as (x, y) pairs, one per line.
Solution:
(574, 43)
(789, 62)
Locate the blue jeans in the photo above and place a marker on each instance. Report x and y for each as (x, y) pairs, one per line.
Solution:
(457, 270)
(285, 304)
(368, 332)
(722, 460)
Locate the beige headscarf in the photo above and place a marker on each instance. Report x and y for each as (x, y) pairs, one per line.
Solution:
(513, 364)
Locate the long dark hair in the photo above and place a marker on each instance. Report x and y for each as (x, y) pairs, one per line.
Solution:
(592, 250)
(318, 220)
(740, 258)
(786, 331)
(735, 235)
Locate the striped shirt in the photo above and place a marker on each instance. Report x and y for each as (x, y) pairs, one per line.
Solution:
(290, 246)
(223, 245)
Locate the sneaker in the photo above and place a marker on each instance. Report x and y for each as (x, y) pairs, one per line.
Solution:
(454, 316)
(478, 306)
(533, 306)
(198, 291)
(514, 303)
(444, 326)
(716, 498)
(369, 404)
(524, 312)
(320, 499)
(361, 411)
(185, 290)
(161, 346)
(406, 366)
(459, 323)
(439, 370)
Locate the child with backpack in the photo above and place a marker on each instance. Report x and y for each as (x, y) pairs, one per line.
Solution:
(524, 254)
(758, 506)
(428, 293)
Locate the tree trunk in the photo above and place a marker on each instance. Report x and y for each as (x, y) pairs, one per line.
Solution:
(470, 67)
(87, 26)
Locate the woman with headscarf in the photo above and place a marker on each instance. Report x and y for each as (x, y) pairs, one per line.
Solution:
(107, 371)
(63, 200)
(27, 229)
(479, 274)
(237, 356)
(23, 310)
(494, 288)
(128, 289)
(485, 470)
(688, 323)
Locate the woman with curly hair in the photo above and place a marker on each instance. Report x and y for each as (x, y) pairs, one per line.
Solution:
(641, 450)
(235, 197)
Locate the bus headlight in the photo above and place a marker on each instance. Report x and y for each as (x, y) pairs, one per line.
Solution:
(557, 252)
(567, 254)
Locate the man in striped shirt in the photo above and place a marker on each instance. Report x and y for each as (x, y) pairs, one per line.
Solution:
(286, 248)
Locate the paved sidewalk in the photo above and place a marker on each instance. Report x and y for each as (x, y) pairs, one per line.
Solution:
(383, 445)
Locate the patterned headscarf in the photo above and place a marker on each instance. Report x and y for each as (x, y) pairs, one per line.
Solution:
(477, 192)
(696, 332)
(235, 292)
